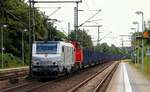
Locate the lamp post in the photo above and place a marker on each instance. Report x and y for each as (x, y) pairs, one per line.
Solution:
(142, 50)
(2, 48)
(134, 44)
(138, 56)
(23, 45)
(2, 63)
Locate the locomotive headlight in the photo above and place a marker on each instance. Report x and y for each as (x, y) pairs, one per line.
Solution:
(54, 63)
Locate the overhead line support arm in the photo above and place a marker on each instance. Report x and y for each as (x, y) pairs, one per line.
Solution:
(55, 1)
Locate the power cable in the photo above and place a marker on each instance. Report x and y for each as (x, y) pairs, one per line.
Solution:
(89, 18)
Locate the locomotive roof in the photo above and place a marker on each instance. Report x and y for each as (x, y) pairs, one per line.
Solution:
(61, 42)
(50, 41)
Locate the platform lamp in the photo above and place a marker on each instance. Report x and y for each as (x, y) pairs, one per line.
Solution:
(25, 30)
(138, 43)
(2, 26)
(142, 50)
(134, 34)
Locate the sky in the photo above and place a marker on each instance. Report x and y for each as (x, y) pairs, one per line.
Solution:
(116, 17)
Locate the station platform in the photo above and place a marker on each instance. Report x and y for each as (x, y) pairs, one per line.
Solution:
(128, 79)
(13, 69)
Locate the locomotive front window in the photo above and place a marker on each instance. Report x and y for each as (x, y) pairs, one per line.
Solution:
(46, 48)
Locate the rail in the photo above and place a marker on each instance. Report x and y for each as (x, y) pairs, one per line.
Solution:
(100, 85)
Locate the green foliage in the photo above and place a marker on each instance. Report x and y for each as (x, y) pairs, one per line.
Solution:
(147, 66)
(82, 37)
(146, 72)
(104, 48)
(10, 60)
(86, 42)
(138, 44)
(115, 50)
(15, 13)
(52, 32)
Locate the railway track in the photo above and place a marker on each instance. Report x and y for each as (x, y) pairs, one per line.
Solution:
(12, 73)
(10, 77)
(57, 85)
(102, 86)
(91, 85)
(30, 86)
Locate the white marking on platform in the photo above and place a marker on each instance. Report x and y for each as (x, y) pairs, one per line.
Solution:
(126, 80)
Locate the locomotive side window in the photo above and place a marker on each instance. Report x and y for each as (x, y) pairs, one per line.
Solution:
(62, 48)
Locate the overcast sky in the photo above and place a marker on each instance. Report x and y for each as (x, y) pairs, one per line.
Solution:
(117, 16)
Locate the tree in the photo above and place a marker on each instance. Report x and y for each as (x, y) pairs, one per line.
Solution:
(114, 49)
(82, 37)
(104, 48)
(14, 13)
(52, 31)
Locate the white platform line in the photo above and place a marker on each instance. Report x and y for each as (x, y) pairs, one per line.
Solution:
(126, 80)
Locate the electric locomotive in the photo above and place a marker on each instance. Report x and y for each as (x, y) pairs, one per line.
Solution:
(52, 57)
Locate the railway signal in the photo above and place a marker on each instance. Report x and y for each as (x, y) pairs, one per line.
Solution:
(146, 34)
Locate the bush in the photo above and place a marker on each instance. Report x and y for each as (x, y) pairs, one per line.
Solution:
(10, 61)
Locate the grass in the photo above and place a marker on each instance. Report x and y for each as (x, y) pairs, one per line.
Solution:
(146, 72)
(147, 67)
(126, 60)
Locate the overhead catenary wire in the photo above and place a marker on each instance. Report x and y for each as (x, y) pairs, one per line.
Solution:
(105, 36)
(55, 1)
(15, 17)
(56, 9)
(90, 18)
(62, 29)
(88, 6)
